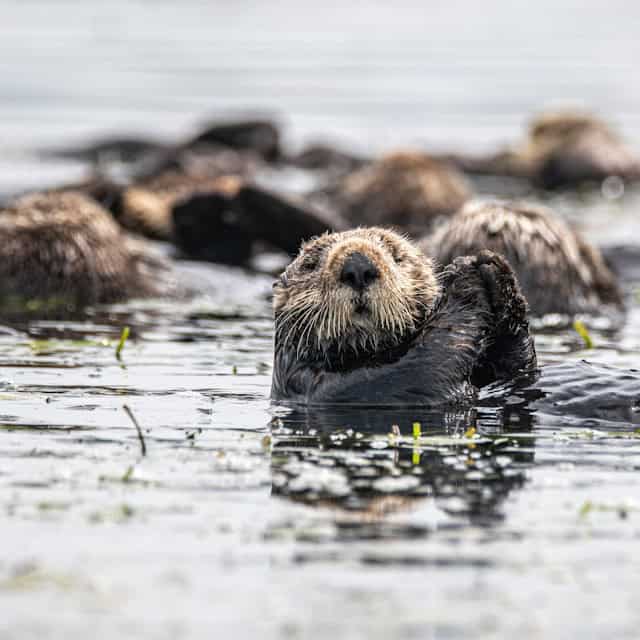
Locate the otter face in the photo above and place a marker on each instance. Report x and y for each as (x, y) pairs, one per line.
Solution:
(352, 293)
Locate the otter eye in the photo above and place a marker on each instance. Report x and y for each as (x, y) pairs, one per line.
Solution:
(398, 259)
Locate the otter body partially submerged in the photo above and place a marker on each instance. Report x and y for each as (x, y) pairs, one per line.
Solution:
(64, 246)
(558, 270)
(405, 189)
(146, 207)
(562, 149)
(362, 318)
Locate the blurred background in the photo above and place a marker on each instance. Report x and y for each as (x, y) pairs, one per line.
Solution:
(373, 75)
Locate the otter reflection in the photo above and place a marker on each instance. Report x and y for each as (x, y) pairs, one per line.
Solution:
(367, 465)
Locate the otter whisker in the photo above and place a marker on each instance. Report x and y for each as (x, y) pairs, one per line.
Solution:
(303, 321)
(306, 333)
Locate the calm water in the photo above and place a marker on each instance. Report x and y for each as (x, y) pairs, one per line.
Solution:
(243, 519)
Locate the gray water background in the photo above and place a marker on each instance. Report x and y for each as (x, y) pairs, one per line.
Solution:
(189, 541)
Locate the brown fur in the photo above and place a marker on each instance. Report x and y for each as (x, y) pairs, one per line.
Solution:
(316, 312)
(558, 270)
(64, 245)
(146, 207)
(405, 189)
(562, 148)
(577, 135)
(387, 332)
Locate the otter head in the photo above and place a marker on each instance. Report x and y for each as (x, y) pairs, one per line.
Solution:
(559, 126)
(351, 295)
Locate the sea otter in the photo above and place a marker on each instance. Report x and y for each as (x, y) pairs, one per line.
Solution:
(63, 246)
(146, 206)
(142, 196)
(405, 189)
(363, 317)
(562, 149)
(558, 271)
(258, 136)
(325, 157)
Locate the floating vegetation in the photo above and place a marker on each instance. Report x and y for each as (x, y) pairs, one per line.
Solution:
(143, 444)
(119, 514)
(622, 510)
(595, 434)
(31, 577)
(49, 505)
(52, 346)
(124, 335)
(128, 474)
(389, 473)
(18, 305)
(583, 332)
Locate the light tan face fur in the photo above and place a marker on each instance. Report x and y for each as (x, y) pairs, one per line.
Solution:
(316, 312)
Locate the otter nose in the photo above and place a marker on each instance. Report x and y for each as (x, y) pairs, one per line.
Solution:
(358, 272)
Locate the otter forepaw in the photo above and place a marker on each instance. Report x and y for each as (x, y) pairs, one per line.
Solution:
(512, 348)
(506, 298)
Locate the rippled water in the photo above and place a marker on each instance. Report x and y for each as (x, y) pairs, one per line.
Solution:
(249, 520)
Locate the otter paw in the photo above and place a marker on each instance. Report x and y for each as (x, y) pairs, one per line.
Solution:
(505, 296)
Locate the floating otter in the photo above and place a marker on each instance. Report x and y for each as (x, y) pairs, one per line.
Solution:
(146, 207)
(563, 148)
(141, 195)
(559, 272)
(142, 199)
(64, 246)
(324, 157)
(260, 136)
(218, 227)
(404, 189)
(362, 318)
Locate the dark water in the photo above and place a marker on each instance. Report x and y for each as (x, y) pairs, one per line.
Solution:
(249, 521)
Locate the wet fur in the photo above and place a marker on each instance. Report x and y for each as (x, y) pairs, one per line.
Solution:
(406, 189)
(316, 315)
(146, 207)
(561, 149)
(66, 246)
(559, 272)
(463, 330)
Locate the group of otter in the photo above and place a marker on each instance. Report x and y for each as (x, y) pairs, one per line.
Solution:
(406, 289)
